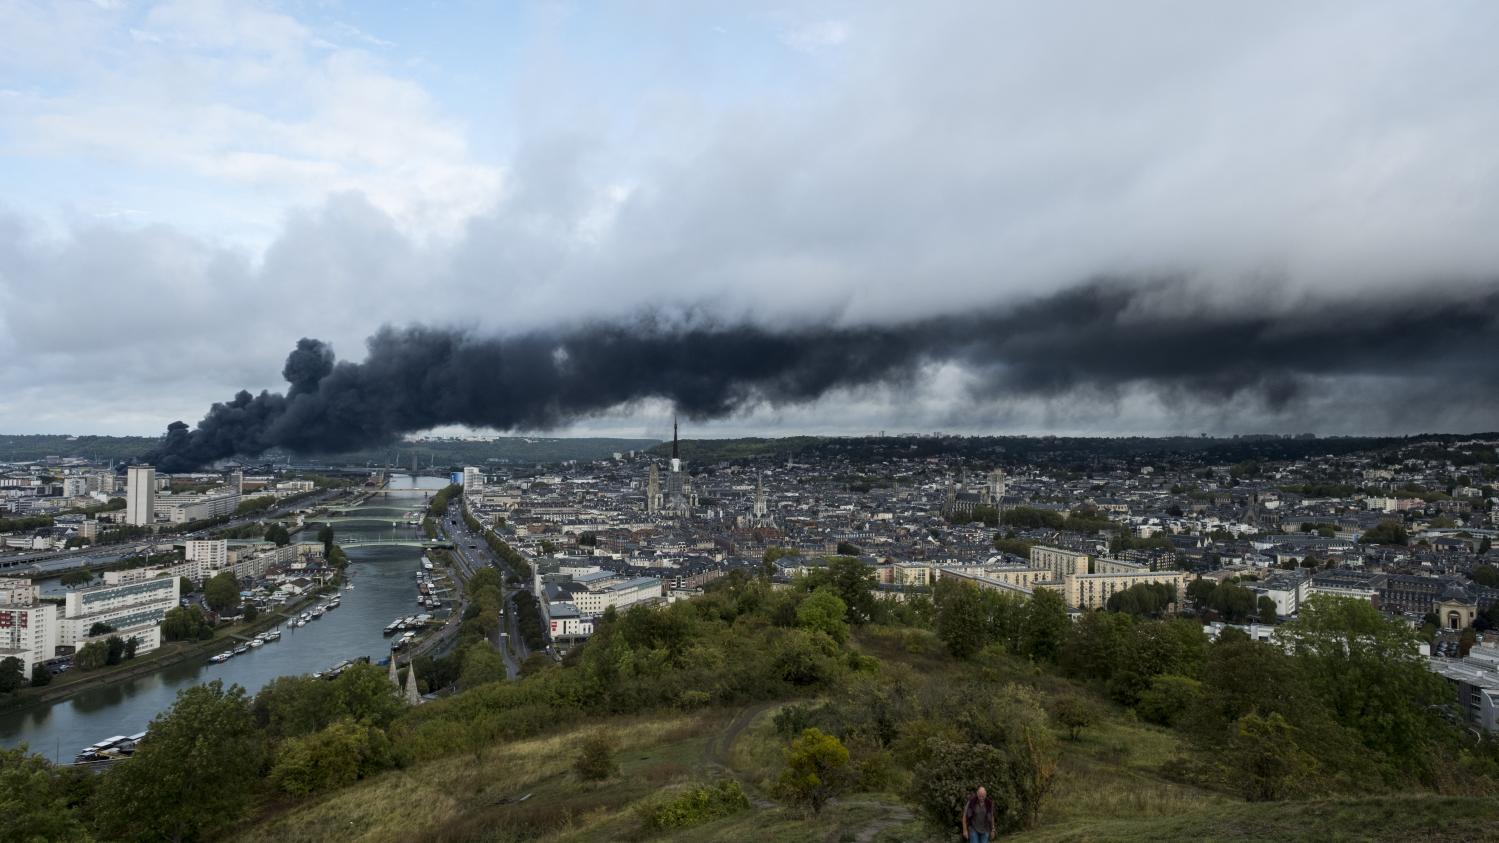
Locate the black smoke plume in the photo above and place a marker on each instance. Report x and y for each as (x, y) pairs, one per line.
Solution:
(1102, 336)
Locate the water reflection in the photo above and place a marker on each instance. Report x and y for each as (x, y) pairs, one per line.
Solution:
(384, 588)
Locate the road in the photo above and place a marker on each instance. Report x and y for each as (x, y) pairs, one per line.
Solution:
(471, 552)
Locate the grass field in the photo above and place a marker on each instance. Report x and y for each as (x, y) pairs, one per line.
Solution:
(1109, 787)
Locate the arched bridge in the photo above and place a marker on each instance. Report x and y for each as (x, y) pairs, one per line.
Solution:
(355, 519)
(426, 544)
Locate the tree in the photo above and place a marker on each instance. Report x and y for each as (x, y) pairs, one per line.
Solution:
(363, 694)
(185, 623)
(950, 772)
(1075, 714)
(1366, 668)
(221, 593)
(1011, 751)
(251, 613)
(1044, 625)
(72, 578)
(291, 706)
(40, 675)
(186, 586)
(1388, 533)
(1487, 575)
(35, 799)
(1168, 699)
(196, 775)
(824, 611)
(1143, 599)
(12, 674)
(848, 549)
(331, 758)
(114, 650)
(817, 769)
(1466, 641)
(853, 581)
(481, 664)
(596, 761)
(326, 535)
(1269, 762)
(91, 656)
(1097, 644)
(1266, 609)
(278, 534)
(962, 623)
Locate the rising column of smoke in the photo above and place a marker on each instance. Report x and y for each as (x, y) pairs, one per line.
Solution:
(1098, 336)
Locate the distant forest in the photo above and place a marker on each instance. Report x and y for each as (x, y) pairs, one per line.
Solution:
(1077, 452)
(1068, 451)
(443, 454)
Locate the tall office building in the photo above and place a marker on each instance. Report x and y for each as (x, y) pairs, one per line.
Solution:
(140, 495)
(473, 479)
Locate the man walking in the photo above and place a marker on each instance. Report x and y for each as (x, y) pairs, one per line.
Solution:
(978, 817)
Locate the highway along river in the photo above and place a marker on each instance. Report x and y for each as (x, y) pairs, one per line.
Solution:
(384, 589)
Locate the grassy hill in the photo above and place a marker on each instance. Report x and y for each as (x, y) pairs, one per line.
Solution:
(730, 716)
(1110, 785)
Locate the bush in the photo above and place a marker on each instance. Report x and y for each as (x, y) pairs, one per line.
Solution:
(331, 758)
(1168, 699)
(40, 675)
(694, 806)
(950, 774)
(817, 769)
(1075, 714)
(11, 674)
(596, 761)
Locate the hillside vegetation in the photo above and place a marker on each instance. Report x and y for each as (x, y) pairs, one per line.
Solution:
(820, 713)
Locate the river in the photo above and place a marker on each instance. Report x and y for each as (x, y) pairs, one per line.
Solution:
(384, 589)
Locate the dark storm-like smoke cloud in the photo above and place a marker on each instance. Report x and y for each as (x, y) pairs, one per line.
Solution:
(1101, 336)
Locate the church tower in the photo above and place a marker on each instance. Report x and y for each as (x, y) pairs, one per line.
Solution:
(761, 510)
(653, 490)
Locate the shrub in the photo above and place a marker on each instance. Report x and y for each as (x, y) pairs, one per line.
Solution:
(950, 774)
(1075, 714)
(817, 769)
(331, 758)
(792, 720)
(1168, 699)
(596, 761)
(694, 806)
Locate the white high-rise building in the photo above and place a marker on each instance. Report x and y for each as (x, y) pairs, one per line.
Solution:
(210, 556)
(140, 495)
(473, 479)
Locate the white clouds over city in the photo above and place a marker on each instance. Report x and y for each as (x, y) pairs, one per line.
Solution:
(195, 185)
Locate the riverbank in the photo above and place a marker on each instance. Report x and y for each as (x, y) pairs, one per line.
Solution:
(75, 681)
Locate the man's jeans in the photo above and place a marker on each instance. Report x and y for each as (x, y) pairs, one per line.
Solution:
(978, 836)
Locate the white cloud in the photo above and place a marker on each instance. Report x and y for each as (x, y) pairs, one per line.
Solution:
(955, 155)
(815, 36)
(237, 94)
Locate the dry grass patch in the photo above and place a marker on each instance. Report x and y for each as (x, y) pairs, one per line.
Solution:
(474, 795)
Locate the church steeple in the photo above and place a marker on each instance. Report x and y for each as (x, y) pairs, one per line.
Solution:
(674, 454)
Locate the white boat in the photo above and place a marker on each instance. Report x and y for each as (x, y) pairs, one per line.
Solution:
(257, 642)
(221, 658)
(273, 635)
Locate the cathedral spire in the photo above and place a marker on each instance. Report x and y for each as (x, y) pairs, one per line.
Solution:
(674, 454)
